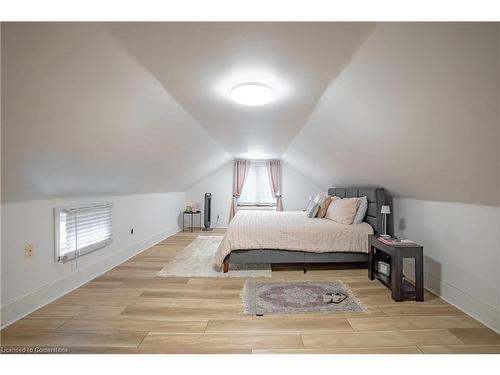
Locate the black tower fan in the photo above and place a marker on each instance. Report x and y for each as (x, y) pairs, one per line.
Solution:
(208, 211)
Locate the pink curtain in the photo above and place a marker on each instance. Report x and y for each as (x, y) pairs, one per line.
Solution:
(274, 172)
(241, 168)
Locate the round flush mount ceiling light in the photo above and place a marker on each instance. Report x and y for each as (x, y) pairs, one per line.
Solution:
(252, 93)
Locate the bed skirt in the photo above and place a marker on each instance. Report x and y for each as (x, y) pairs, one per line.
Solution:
(287, 256)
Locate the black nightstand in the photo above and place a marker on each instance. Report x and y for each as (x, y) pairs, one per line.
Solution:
(400, 287)
(191, 213)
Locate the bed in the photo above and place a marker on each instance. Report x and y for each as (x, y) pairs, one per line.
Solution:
(290, 237)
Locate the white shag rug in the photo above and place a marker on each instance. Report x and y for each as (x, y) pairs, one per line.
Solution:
(196, 260)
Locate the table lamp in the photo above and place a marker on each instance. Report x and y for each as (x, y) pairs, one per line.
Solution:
(385, 210)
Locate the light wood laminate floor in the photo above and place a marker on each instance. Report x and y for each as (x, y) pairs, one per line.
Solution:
(129, 310)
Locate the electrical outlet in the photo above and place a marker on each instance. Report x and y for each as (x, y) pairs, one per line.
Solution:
(28, 251)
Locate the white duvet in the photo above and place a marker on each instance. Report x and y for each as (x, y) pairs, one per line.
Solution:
(290, 230)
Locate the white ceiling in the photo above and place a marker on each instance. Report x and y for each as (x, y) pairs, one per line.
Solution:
(98, 109)
(416, 111)
(80, 117)
(198, 63)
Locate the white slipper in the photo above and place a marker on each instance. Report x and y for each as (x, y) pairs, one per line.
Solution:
(338, 297)
(327, 297)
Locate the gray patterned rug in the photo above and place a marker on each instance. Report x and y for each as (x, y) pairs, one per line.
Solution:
(196, 260)
(292, 298)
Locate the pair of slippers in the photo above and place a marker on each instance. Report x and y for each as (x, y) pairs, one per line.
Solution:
(336, 297)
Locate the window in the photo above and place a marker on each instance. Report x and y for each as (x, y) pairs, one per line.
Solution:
(257, 190)
(82, 229)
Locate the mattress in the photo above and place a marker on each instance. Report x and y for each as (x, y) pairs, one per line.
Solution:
(290, 230)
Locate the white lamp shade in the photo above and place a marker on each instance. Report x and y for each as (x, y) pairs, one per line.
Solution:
(385, 210)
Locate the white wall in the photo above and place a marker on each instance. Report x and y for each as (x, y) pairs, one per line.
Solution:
(498, 148)
(1, 283)
(219, 183)
(414, 111)
(461, 252)
(296, 190)
(29, 283)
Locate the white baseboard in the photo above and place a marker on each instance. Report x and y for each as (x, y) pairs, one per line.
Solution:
(18, 308)
(470, 305)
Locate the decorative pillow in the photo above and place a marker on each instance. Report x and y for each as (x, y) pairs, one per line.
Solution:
(313, 211)
(360, 215)
(310, 203)
(343, 210)
(324, 206)
(313, 199)
(313, 206)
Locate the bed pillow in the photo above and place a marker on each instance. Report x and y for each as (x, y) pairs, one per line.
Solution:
(343, 210)
(312, 208)
(360, 215)
(324, 206)
(310, 204)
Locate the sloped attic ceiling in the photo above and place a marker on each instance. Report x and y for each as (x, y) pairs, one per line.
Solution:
(82, 117)
(96, 109)
(415, 111)
(199, 63)
(99, 109)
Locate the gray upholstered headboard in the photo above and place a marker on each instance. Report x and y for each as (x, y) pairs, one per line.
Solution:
(375, 196)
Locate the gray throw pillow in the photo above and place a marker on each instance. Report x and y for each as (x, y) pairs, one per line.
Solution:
(360, 215)
(310, 204)
(313, 210)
